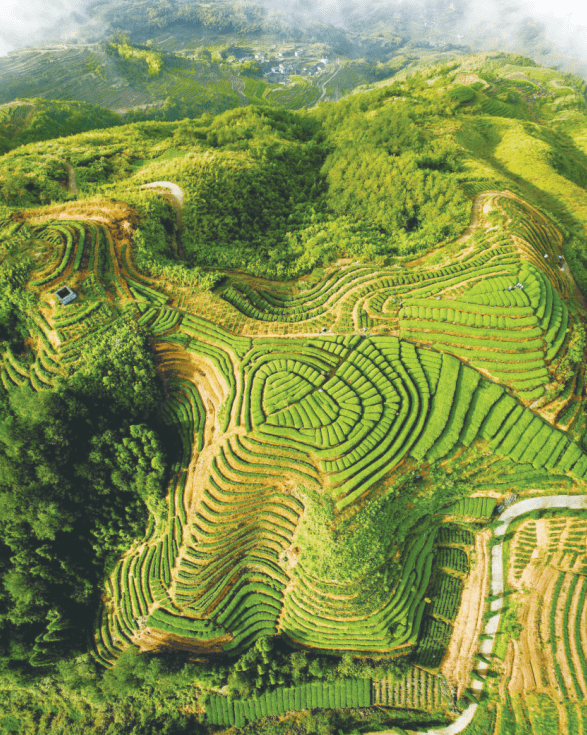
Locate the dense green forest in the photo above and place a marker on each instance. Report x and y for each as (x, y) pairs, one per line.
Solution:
(81, 470)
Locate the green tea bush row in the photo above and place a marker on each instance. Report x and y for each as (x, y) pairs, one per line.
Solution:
(105, 268)
(241, 459)
(69, 244)
(146, 574)
(446, 597)
(181, 482)
(6, 380)
(18, 373)
(434, 639)
(480, 507)
(135, 275)
(556, 339)
(568, 648)
(166, 320)
(466, 387)
(222, 362)
(197, 410)
(147, 315)
(336, 695)
(244, 603)
(480, 342)
(396, 623)
(94, 259)
(79, 250)
(310, 304)
(451, 534)
(440, 408)
(255, 626)
(72, 316)
(553, 637)
(165, 621)
(41, 379)
(139, 575)
(456, 559)
(286, 461)
(142, 293)
(578, 628)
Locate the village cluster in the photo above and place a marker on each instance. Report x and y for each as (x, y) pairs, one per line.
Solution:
(277, 68)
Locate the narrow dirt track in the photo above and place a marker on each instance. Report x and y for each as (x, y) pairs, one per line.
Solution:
(71, 178)
(71, 183)
(476, 210)
(458, 661)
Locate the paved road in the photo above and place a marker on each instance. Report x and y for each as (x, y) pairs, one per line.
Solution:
(577, 502)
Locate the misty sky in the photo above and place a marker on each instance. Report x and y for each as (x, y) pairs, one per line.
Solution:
(25, 22)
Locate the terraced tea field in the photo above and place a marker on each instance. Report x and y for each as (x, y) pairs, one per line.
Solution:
(548, 557)
(339, 390)
(540, 672)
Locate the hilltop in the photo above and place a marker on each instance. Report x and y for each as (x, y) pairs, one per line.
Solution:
(253, 468)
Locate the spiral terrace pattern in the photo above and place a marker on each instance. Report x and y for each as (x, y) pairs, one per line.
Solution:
(336, 413)
(269, 408)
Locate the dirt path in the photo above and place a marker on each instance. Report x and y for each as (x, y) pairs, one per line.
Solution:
(478, 206)
(71, 178)
(71, 183)
(476, 210)
(176, 191)
(458, 661)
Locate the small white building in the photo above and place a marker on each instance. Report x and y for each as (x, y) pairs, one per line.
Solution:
(65, 295)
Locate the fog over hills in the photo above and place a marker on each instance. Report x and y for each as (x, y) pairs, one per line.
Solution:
(552, 33)
(36, 21)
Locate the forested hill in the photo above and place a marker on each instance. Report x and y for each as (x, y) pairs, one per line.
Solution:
(275, 242)
(377, 175)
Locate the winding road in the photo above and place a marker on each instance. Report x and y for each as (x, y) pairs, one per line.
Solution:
(574, 502)
(323, 84)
